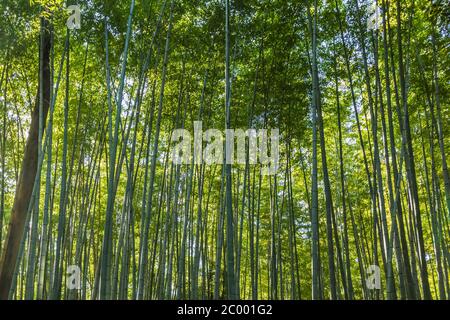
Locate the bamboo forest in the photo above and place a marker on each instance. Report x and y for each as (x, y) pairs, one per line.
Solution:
(224, 150)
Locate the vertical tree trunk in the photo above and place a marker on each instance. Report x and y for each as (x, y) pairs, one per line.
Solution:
(316, 294)
(342, 181)
(105, 278)
(410, 163)
(3, 149)
(25, 184)
(231, 278)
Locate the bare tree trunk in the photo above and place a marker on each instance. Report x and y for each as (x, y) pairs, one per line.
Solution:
(25, 183)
